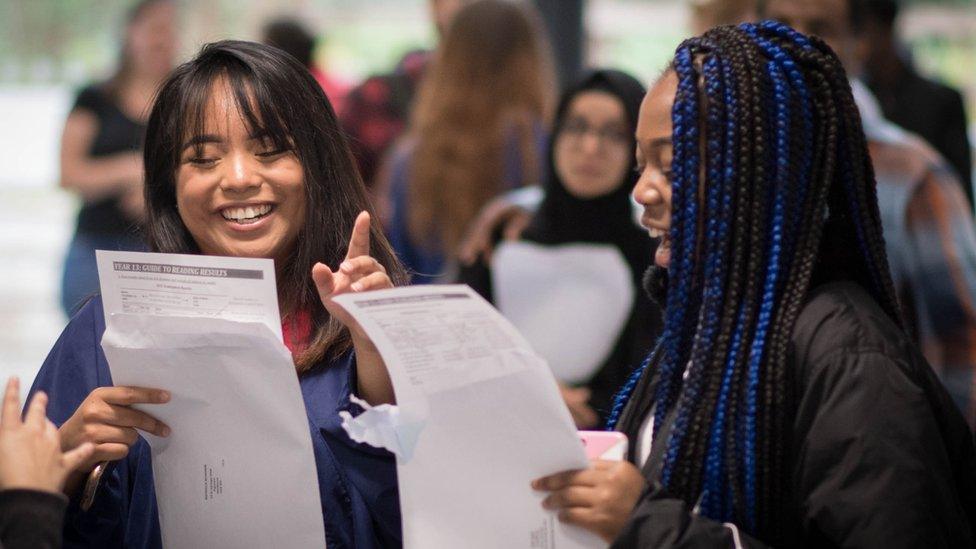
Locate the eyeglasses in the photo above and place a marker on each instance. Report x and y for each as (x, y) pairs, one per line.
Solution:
(576, 129)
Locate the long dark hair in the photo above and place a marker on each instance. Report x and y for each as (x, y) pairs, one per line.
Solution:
(278, 96)
(490, 84)
(767, 115)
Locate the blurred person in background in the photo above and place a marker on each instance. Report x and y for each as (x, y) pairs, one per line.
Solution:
(920, 105)
(928, 224)
(587, 202)
(707, 14)
(101, 160)
(32, 472)
(376, 112)
(507, 215)
(292, 37)
(478, 130)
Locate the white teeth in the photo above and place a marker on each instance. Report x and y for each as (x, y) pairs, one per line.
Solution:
(247, 213)
(655, 233)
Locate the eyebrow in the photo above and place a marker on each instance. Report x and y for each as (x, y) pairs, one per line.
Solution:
(260, 135)
(201, 140)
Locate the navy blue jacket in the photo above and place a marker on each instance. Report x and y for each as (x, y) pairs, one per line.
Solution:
(357, 483)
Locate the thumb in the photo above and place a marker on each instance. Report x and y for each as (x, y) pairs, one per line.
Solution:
(71, 460)
(324, 279)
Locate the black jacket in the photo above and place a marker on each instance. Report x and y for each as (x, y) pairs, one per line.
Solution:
(880, 455)
(30, 519)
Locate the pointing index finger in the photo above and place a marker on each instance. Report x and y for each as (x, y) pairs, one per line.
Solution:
(359, 241)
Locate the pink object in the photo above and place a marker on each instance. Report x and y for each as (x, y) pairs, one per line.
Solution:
(609, 445)
(335, 89)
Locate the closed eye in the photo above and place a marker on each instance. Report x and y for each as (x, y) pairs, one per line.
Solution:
(202, 161)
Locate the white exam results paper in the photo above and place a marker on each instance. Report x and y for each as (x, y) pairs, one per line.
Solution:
(482, 416)
(238, 469)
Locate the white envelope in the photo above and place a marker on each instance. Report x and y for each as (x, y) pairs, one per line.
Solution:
(238, 469)
(570, 301)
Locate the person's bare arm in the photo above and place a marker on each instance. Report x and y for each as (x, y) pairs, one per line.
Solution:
(359, 272)
(499, 213)
(94, 178)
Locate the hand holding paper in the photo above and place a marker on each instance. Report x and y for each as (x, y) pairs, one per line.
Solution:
(106, 420)
(479, 416)
(599, 499)
(236, 470)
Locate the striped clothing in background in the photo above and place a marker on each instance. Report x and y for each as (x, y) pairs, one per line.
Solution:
(931, 244)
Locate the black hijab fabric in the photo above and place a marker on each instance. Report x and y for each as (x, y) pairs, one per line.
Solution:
(605, 220)
(609, 219)
(563, 218)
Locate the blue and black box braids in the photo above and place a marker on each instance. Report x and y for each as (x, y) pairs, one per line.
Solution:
(773, 192)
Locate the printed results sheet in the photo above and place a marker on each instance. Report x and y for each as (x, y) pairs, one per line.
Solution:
(490, 421)
(238, 469)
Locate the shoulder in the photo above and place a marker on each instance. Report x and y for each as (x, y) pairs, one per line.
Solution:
(848, 354)
(936, 93)
(92, 98)
(902, 158)
(76, 363)
(866, 401)
(841, 319)
(86, 326)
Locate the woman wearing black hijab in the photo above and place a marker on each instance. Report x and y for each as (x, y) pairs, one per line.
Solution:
(571, 282)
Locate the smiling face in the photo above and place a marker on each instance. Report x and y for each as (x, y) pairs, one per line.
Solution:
(592, 147)
(236, 193)
(654, 153)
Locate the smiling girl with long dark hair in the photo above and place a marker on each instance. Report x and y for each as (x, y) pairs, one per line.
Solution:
(244, 158)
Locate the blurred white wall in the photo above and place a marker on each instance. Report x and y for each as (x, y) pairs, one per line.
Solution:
(35, 225)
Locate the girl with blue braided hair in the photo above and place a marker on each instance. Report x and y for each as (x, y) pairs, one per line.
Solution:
(784, 404)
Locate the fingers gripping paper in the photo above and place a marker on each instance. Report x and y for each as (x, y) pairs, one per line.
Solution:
(238, 469)
(485, 415)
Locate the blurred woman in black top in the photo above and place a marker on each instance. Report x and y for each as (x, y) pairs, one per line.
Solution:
(101, 160)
